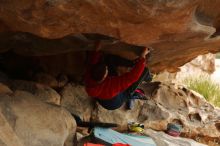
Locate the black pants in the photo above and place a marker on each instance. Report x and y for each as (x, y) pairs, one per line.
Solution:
(117, 101)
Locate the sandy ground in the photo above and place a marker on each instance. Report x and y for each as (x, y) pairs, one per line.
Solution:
(216, 75)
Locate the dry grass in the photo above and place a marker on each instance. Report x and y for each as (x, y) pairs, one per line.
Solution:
(206, 87)
(218, 55)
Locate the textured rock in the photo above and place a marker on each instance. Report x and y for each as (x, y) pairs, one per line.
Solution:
(26, 121)
(46, 79)
(206, 63)
(178, 30)
(76, 100)
(41, 92)
(4, 89)
(188, 109)
(120, 116)
(7, 135)
(201, 65)
(51, 81)
(169, 104)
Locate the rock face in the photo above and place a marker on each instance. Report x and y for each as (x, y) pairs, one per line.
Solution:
(41, 92)
(27, 121)
(178, 30)
(76, 100)
(201, 65)
(169, 103)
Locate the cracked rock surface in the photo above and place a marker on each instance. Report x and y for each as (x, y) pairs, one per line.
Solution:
(178, 30)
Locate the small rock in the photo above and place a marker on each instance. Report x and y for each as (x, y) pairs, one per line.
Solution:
(46, 79)
(5, 89)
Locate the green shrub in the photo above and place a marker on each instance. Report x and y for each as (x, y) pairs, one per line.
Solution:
(206, 87)
(218, 55)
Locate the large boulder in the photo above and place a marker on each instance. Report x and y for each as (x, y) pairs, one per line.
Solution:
(27, 121)
(76, 100)
(40, 91)
(178, 30)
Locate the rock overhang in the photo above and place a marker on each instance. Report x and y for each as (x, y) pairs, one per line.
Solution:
(178, 31)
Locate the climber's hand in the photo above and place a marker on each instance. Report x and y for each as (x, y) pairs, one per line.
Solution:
(145, 51)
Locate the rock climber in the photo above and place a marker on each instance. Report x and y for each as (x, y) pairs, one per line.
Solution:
(112, 91)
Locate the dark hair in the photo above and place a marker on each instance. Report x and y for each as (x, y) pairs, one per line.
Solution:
(98, 71)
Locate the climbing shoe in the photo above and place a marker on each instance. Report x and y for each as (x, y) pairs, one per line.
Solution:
(139, 94)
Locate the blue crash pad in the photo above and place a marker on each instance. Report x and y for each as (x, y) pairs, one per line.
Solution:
(110, 136)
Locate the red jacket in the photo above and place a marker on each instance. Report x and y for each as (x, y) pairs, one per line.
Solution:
(112, 85)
